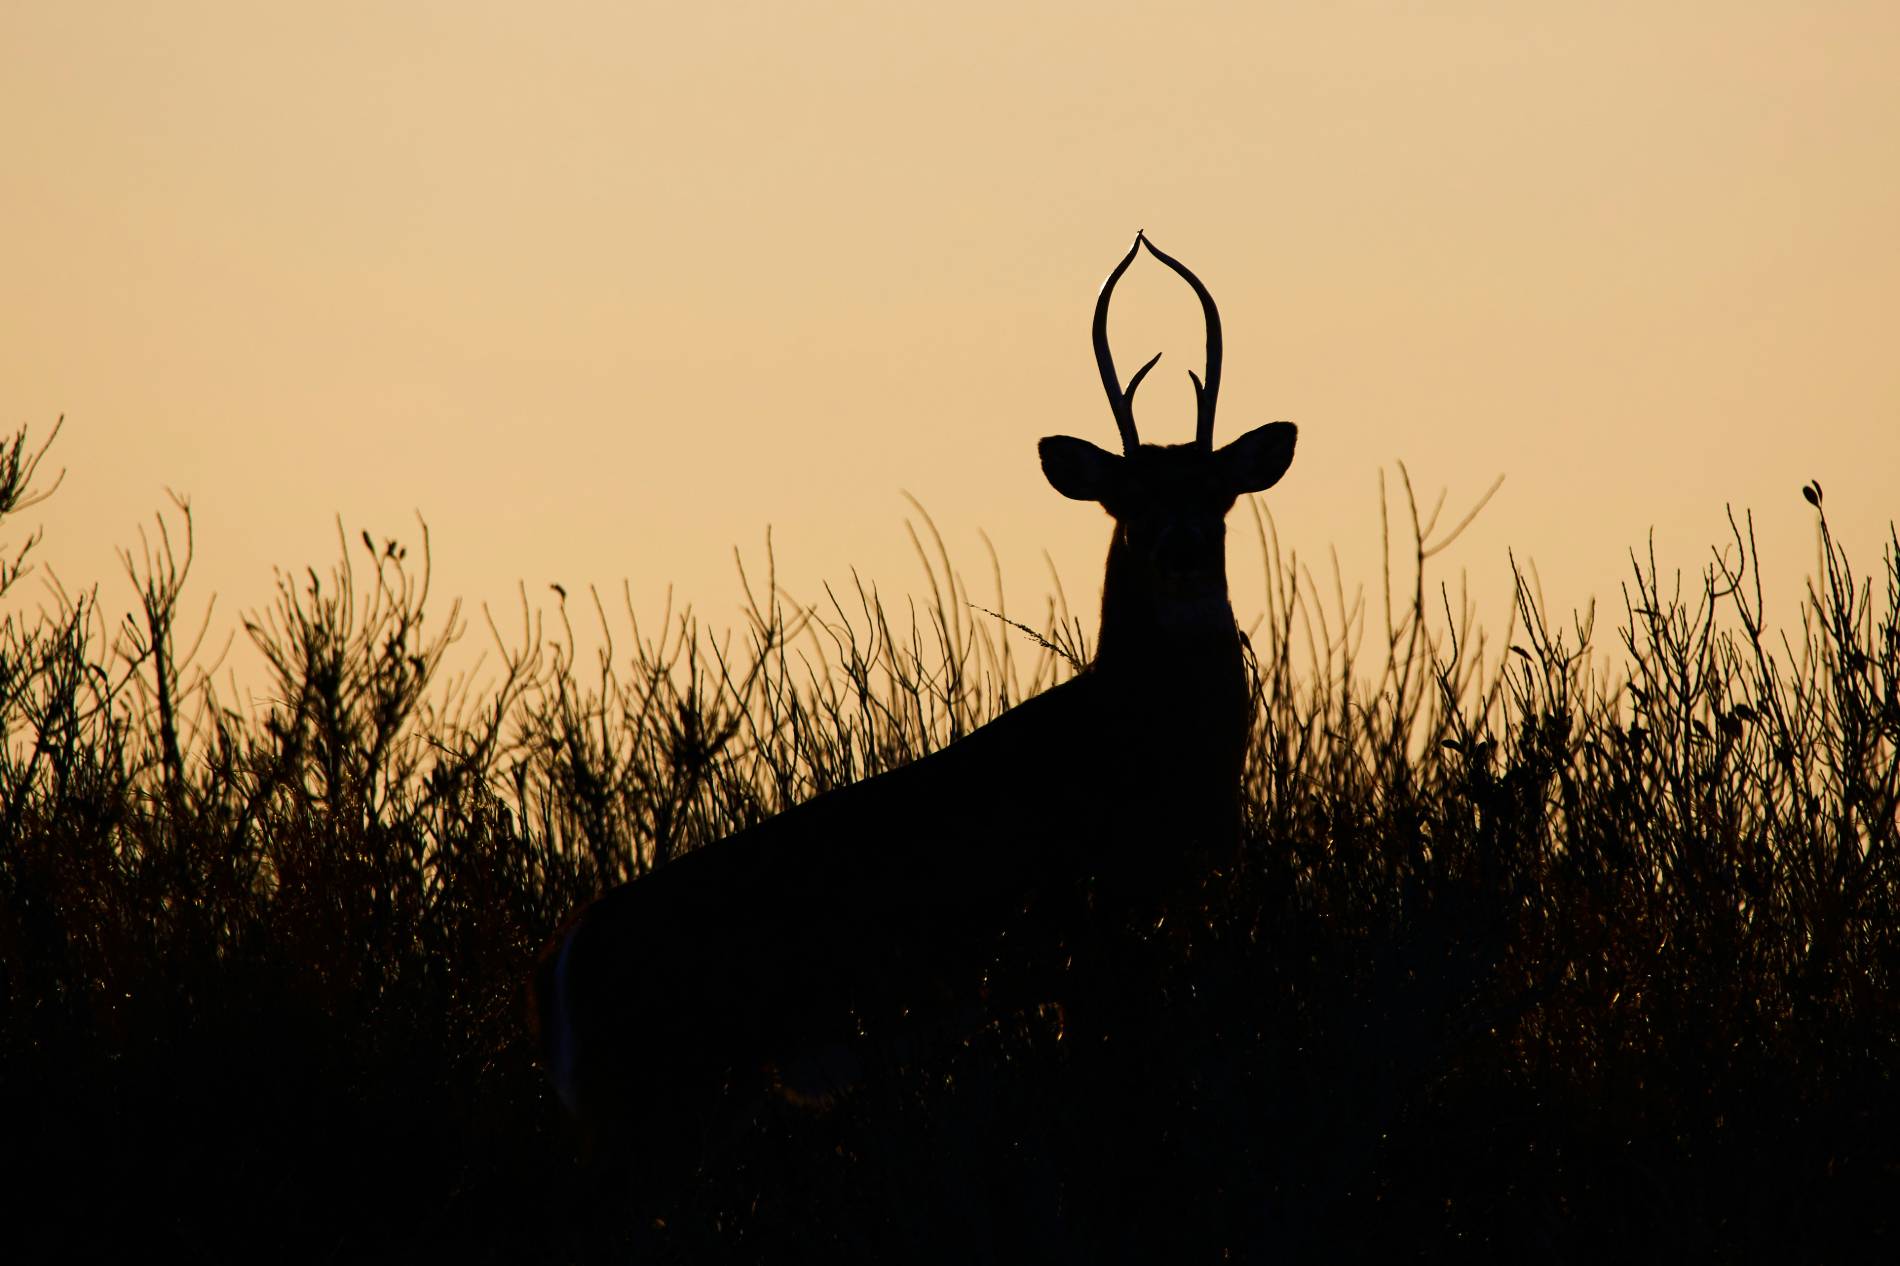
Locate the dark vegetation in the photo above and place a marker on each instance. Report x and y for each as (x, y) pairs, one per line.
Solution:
(1527, 958)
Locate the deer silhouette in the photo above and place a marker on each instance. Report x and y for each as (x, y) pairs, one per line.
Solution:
(891, 894)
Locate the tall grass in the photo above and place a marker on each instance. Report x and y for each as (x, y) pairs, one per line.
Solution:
(1542, 946)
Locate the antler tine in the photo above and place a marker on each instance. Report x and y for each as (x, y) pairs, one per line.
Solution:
(1205, 393)
(1122, 402)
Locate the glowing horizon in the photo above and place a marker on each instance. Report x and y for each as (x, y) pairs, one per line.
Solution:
(604, 293)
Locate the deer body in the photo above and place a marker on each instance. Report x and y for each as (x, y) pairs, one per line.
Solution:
(891, 894)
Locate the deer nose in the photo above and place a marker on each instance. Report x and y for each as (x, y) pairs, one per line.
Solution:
(1182, 548)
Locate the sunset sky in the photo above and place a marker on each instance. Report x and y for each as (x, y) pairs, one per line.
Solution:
(602, 290)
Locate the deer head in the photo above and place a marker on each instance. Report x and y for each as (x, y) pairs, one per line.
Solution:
(1167, 567)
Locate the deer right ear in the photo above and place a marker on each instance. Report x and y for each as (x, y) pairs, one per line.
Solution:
(1255, 461)
(1079, 470)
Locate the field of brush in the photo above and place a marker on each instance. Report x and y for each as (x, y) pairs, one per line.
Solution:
(1530, 954)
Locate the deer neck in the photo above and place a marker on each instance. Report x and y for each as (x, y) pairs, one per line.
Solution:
(1165, 647)
(1176, 705)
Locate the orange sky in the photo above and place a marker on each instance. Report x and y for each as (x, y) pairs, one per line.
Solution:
(602, 290)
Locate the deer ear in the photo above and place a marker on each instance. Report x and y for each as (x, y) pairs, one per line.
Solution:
(1079, 470)
(1255, 461)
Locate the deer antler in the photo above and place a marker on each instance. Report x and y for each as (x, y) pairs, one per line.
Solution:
(1205, 393)
(1122, 402)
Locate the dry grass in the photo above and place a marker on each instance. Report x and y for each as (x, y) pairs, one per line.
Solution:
(1533, 957)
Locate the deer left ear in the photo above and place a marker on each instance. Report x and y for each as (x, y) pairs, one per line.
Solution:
(1255, 461)
(1079, 470)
